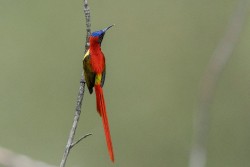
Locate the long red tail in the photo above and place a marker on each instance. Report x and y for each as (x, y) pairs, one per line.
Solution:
(101, 108)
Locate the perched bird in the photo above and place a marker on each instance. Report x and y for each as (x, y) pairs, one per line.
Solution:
(94, 73)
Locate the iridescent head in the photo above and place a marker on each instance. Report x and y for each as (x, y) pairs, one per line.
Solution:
(100, 34)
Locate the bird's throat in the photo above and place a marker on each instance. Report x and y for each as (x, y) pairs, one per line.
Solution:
(97, 59)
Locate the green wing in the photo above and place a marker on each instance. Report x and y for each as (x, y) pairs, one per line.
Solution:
(88, 73)
(103, 76)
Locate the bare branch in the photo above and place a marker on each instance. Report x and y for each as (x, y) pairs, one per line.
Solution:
(83, 137)
(81, 91)
(88, 23)
(208, 84)
(11, 159)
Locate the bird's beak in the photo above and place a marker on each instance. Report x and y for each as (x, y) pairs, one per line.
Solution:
(105, 29)
(103, 33)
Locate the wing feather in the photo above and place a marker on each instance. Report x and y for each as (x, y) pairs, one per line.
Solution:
(88, 73)
(103, 76)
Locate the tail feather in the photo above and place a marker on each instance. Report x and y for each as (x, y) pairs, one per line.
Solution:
(101, 108)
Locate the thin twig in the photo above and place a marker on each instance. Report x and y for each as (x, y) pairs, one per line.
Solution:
(81, 91)
(88, 23)
(208, 84)
(83, 137)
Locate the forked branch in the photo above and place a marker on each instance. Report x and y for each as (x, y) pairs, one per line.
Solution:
(79, 100)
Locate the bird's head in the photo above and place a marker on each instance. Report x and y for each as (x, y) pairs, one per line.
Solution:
(97, 36)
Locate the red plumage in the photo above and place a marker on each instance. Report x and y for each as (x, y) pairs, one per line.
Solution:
(101, 108)
(97, 64)
(97, 59)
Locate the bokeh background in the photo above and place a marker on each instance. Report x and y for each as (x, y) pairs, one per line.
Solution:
(156, 55)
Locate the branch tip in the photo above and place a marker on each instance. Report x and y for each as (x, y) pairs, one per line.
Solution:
(83, 137)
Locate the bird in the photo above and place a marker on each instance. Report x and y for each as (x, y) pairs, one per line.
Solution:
(94, 73)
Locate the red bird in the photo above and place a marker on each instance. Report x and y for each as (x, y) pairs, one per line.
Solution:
(94, 72)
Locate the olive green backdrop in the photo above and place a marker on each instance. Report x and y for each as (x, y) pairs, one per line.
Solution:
(155, 55)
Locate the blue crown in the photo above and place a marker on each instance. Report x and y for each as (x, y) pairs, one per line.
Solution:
(97, 33)
(100, 32)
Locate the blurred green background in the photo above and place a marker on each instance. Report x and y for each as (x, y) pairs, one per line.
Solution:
(156, 55)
